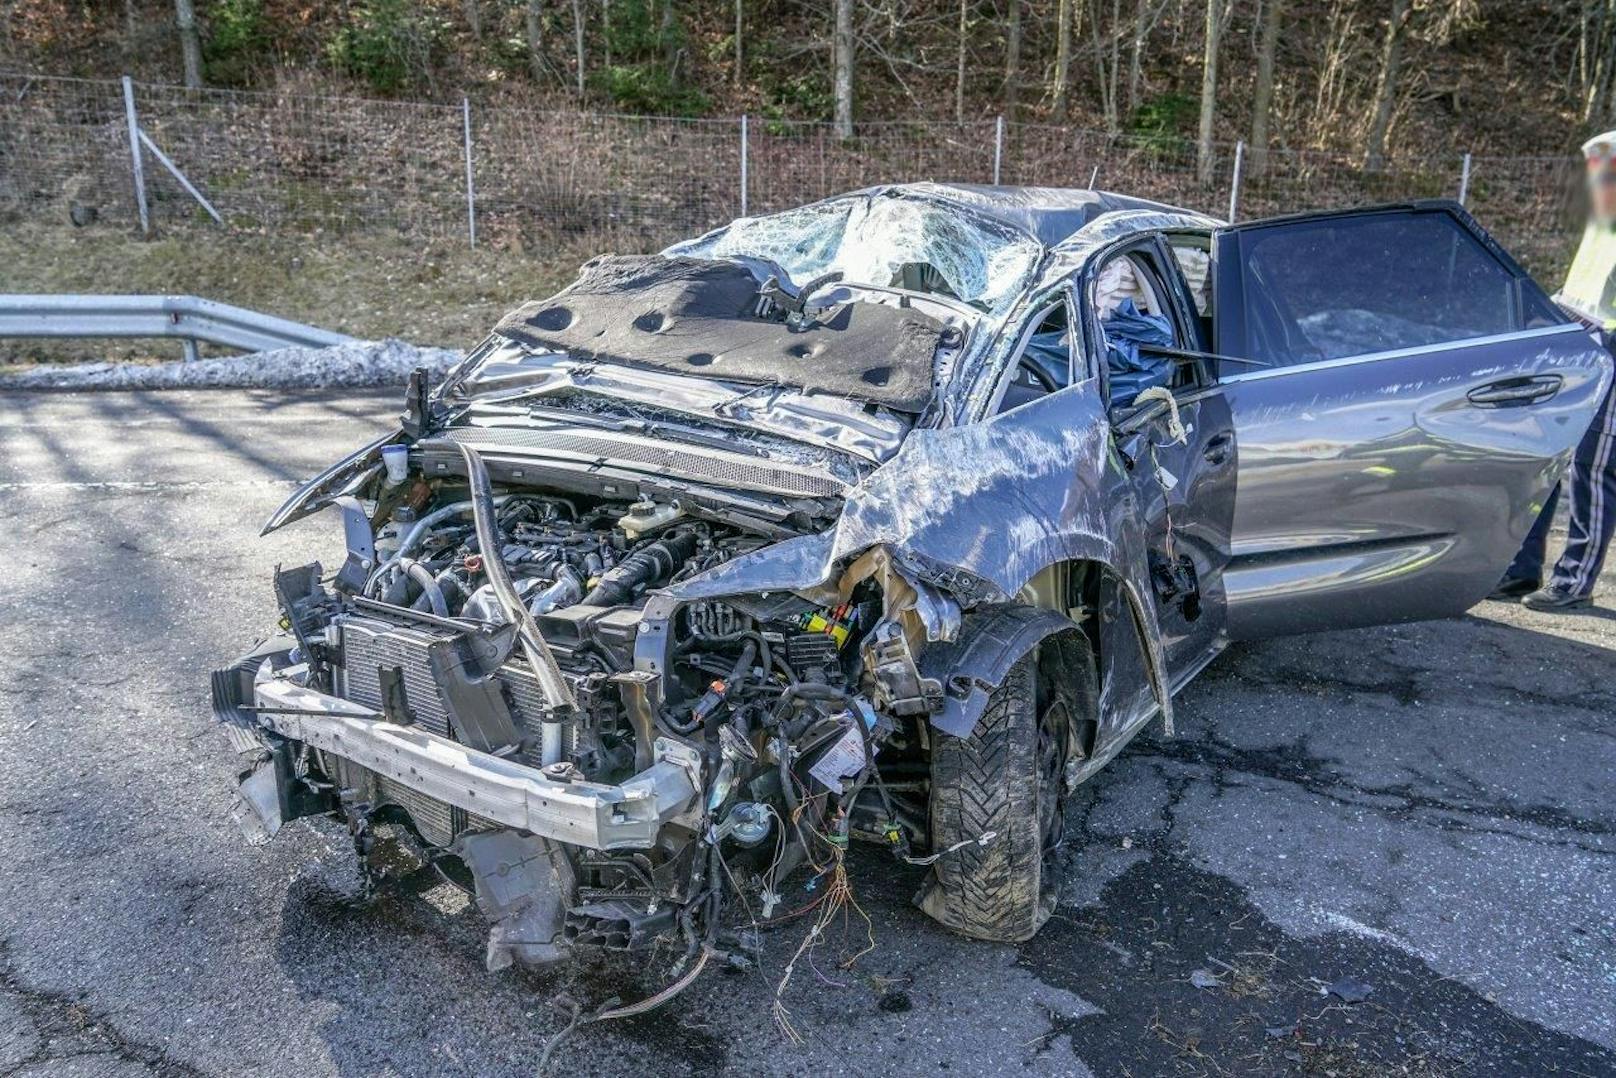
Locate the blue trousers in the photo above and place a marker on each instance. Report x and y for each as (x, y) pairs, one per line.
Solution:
(1593, 512)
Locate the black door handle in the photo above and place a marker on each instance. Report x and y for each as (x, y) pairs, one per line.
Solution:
(1516, 392)
(1217, 449)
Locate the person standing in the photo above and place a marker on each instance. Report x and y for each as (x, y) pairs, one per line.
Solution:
(1590, 292)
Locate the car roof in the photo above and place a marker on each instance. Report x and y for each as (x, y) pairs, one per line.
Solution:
(1050, 214)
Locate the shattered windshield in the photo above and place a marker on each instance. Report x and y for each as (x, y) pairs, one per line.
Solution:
(883, 239)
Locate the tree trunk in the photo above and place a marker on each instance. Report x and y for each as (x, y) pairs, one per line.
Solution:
(474, 20)
(190, 42)
(578, 40)
(1601, 46)
(1012, 58)
(1262, 97)
(842, 49)
(1112, 120)
(533, 22)
(1063, 57)
(1209, 90)
(740, 27)
(1136, 55)
(959, 65)
(606, 31)
(670, 42)
(1102, 75)
(1599, 106)
(1386, 92)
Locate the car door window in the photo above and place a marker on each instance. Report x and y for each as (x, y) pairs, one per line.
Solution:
(1195, 263)
(1043, 362)
(1132, 302)
(1344, 285)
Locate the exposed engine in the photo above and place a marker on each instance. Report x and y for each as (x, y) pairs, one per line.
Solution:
(759, 698)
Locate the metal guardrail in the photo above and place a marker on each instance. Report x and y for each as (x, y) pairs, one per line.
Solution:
(187, 318)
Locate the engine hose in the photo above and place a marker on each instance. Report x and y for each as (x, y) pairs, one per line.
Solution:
(709, 639)
(641, 569)
(454, 593)
(429, 587)
(418, 532)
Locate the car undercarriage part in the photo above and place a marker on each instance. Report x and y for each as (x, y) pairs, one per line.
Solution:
(600, 770)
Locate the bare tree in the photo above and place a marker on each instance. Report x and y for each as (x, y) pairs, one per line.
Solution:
(842, 79)
(578, 40)
(1600, 52)
(1217, 14)
(1012, 58)
(474, 19)
(1145, 17)
(1063, 57)
(959, 62)
(1262, 97)
(533, 23)
(740, 27)
(1106, 59)
(190, 42)
(1391, 55)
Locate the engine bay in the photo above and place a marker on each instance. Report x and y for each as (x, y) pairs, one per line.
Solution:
(765, 699)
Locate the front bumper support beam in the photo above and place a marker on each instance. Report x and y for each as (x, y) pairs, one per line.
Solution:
(589, 814)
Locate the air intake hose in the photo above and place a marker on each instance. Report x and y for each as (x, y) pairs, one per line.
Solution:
(651, 564)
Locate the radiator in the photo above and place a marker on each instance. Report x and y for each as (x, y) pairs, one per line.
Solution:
(370, 645)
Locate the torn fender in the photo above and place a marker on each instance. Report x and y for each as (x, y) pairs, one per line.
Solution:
(344, 477)
(974, 512)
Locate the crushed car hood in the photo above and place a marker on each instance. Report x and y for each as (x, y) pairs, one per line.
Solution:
(701, 317)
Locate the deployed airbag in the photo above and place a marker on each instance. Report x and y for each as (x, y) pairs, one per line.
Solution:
(696, 316)
(1132, 372)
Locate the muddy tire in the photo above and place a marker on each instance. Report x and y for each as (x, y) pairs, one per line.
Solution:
(1007, 778)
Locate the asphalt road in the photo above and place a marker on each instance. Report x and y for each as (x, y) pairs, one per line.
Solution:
(1424, 814)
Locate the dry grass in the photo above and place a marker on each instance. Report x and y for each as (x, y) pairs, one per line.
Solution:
(435, 292)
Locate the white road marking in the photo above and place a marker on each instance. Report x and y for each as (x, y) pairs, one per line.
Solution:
(147, 486)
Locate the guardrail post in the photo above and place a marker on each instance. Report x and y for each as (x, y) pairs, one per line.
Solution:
(1234, 181)
(1464, 180)
(134, 155)
(998, 147)
(471, 189)
(744, 149)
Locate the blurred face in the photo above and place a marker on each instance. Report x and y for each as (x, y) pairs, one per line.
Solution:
(1602, 182)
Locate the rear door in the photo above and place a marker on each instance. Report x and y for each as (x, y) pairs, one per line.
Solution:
(1419, 398)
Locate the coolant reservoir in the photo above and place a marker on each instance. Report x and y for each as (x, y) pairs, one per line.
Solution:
(646, 515)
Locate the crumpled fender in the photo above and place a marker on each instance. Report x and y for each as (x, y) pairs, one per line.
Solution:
(971, 514)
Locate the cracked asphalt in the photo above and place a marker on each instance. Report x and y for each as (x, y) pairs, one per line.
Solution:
(1420, 816)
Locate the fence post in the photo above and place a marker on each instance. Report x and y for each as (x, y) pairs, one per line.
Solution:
(1234, 181)
(1464, 180)
(998, 148)
(134, 155)
(471, 190)
(743, 164)
(1094, 176)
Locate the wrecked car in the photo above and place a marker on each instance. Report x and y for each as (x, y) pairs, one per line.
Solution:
(893, 517)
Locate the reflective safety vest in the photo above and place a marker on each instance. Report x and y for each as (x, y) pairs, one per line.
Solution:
(1590, 287)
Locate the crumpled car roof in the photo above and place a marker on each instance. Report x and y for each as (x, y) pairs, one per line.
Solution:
(1050, 214)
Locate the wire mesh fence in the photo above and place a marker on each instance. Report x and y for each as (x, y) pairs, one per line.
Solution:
(292, 163)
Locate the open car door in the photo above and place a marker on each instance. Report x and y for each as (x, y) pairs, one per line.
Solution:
(1420, 397)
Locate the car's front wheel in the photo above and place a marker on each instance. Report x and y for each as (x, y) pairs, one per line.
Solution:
(1006, 779)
